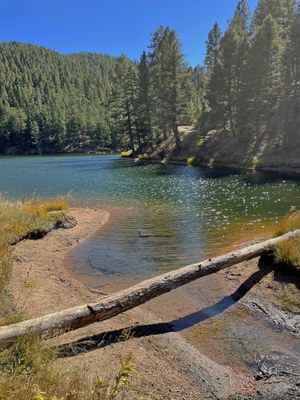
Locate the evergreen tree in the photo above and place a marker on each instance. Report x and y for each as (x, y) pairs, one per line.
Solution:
(50, 101)
(167, 70)
(124, 103)
(213, 67)
(234, 48)
(144, 101)
(263, 77)
(280, 10)
(291, 76)
(212, 57)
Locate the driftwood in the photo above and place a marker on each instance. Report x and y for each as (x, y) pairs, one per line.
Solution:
(124, 300)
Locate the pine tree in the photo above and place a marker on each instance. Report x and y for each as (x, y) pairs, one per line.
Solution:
(166, 71)
(234, 48)
(61, 97)
(212, 57)
(124, 102)
(280, 10)
(213, 68)
(144, 101)
(263, 77)
(291, 76)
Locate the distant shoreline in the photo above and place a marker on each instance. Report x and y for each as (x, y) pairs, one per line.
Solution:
(285, 170)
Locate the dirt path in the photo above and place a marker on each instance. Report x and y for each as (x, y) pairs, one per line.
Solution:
(167, 365)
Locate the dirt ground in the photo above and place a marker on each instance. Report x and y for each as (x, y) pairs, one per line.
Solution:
(223, 149)
(167, 365)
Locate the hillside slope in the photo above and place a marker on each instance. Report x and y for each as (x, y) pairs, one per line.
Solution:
(49, 100)
(221, 148)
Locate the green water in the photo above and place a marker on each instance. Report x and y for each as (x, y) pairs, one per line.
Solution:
(165, 216)
(168, 215)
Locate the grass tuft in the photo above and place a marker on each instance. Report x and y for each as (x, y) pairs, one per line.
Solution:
(288, 251)
(289, 222)
(28, 372)
(290, 298)
(18, 220)
(28, 369)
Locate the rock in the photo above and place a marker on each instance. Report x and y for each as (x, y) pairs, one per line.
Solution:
(68, 222)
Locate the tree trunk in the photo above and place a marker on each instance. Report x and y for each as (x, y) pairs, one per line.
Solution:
(127, 299)
(176, 136)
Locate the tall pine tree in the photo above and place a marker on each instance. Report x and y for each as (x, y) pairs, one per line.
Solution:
(124, 103)
(166, 71)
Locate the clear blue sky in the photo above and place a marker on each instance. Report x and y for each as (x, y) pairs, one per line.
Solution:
(113, 26)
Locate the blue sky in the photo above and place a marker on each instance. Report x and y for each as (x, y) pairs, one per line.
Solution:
(113, 26)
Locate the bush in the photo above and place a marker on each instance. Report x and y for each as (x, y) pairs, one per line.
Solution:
(192, 161)
(255, 162)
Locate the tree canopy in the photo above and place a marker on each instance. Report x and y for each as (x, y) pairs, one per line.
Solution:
(249, 84)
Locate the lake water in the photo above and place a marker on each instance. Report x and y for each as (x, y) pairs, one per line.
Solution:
(164, 217)
(167, 215)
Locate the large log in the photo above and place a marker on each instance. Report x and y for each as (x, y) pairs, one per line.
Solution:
(124, 300)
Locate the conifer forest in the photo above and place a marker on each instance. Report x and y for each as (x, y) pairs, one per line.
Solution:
(249, 84)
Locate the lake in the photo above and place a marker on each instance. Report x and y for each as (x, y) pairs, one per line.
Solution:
(164, 217)
(167, 215)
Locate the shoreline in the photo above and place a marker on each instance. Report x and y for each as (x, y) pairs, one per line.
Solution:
(241, 168)
(40, 263)
(168, 365)
(285, 170)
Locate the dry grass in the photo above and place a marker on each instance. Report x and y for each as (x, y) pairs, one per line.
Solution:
(18, 220)
(289, 222)
(27, 369)
(290, 298)
(28, 372)
(288, 251)
(288, 254)
(21, 219)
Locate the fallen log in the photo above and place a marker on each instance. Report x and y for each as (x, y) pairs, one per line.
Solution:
(127, 299)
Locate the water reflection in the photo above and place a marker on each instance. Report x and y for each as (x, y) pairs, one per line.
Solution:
(165, 216)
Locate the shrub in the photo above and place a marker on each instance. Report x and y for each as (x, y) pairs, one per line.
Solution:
(127, 153)
(255, 162)
(192, 161)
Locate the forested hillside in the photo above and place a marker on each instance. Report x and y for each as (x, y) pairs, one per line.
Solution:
(49, 101)
(248, 91)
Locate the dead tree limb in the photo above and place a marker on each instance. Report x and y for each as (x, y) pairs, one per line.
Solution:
(124, 300)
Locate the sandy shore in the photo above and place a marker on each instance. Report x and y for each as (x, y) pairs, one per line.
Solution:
(168, 366)
(40, 283)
